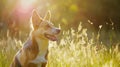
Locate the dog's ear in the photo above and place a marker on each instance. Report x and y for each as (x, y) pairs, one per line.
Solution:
(36, 19)
(47, 16)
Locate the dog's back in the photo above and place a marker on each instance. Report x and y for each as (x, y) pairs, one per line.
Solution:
(16, 62)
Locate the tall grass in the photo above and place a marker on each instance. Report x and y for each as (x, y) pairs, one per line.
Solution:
(8, 48)
(73, 50)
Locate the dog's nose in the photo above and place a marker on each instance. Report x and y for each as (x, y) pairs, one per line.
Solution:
(58, 30)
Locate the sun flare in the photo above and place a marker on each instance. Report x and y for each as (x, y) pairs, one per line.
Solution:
(26, 3)
(25, 6)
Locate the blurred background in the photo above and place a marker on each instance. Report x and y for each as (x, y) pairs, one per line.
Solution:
(101, 16)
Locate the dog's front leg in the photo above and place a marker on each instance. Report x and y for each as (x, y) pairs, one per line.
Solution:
(46, 55)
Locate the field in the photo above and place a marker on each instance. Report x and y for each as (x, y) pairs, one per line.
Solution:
(74, 49)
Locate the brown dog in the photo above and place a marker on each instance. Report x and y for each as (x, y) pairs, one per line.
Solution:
(34, 51)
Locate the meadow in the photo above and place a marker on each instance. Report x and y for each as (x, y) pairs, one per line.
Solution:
(74, 49)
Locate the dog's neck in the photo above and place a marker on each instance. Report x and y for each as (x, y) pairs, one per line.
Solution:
(41, 42)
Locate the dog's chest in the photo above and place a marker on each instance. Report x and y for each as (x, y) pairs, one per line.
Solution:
(43, 47)
(40, 58)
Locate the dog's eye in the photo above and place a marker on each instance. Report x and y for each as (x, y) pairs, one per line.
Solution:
(48, 26)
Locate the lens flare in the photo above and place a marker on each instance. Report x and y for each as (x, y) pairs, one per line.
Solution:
(25, 6)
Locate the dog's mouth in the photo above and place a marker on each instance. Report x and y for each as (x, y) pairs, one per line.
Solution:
(51, 37)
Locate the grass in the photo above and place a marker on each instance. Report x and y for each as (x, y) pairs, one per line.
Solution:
(75, 49)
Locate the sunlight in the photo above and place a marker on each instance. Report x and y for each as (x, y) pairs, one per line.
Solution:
(25, 6)
(26, 3)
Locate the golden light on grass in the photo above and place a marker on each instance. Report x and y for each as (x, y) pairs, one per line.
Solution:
(74, 50)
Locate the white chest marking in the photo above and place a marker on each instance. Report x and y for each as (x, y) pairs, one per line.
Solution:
(43, 46)
(39, 59)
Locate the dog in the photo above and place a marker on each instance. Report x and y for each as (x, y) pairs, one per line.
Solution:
(35, 50)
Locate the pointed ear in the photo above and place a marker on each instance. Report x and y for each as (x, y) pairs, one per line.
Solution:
(47, 16)
(36, 19)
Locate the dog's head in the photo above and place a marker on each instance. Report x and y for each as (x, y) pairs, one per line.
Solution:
(43, 28)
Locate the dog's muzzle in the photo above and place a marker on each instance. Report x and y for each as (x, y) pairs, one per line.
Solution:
(53, 37)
